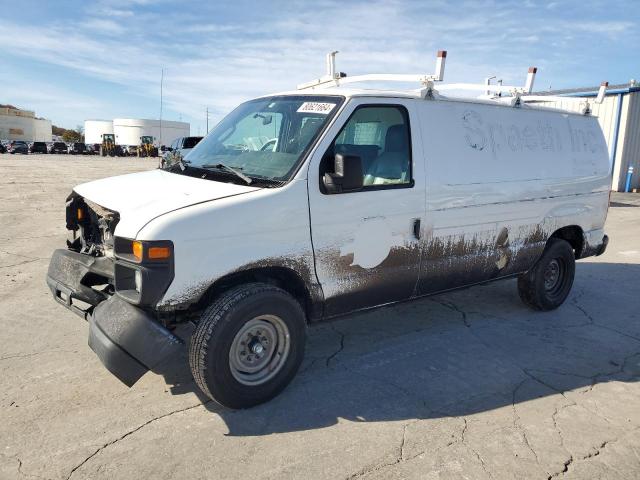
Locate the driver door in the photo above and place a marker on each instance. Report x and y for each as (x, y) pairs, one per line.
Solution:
(366, 243)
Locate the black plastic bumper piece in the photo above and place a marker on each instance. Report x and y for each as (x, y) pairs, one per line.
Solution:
(594, 249)
(128, 341)
(603, 246)
(68, 270)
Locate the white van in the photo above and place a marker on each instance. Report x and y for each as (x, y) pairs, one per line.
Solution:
(302, 206)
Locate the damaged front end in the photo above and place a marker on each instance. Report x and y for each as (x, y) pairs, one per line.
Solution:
(99, 278)
(82, 276)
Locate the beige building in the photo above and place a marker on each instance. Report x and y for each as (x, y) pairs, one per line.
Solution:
(16, 124)
(619, 117)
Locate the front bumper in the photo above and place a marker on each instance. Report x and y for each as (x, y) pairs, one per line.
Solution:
(70, 276)
(126, 339)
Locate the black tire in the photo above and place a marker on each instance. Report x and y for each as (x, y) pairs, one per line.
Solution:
(219, 327)
(547, 285)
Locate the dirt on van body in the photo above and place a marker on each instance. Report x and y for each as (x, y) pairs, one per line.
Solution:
(465, 384)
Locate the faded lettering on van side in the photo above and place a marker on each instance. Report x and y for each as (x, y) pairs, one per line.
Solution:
(532, 137)
(472, 122)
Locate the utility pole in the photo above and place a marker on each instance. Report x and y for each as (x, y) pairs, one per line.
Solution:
(161, 82)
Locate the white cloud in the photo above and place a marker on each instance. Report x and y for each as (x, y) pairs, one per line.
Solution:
(221, 62)
(100, 25)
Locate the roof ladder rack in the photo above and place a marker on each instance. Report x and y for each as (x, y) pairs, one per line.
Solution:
(515, 96)
(334, 78)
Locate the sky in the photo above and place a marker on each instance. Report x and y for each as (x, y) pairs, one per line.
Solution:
(76, 60)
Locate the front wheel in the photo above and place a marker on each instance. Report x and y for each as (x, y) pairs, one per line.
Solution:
(248, 345)
(548, 283)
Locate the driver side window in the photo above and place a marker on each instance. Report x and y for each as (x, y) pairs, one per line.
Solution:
(381, 137)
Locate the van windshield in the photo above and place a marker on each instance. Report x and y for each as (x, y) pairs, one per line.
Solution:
(266, 138)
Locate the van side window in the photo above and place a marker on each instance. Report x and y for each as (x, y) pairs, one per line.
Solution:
(381, 137)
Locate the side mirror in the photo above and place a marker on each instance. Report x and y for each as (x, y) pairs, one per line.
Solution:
(348, 176)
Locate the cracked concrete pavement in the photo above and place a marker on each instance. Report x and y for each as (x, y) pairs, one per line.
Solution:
(469, 384)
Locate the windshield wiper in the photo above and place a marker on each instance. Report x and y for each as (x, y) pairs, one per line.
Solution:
(227, 168)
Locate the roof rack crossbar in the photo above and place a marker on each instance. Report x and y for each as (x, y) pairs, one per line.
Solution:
(585, 104)
(480, 87)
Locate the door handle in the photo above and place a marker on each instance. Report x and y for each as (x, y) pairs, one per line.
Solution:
(416, 228)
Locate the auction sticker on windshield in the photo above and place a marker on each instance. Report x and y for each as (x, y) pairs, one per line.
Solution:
(316, 107)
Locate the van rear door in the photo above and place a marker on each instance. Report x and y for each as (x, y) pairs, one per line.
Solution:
(366, 242)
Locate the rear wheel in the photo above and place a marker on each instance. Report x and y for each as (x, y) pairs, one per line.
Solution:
(547, 285)
(248, 345)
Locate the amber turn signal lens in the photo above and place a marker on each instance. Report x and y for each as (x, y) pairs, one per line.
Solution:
(80, 214)
(159, 253)
(137, 250)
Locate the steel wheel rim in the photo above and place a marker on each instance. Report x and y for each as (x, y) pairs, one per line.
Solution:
(259, 350)
(554, 274)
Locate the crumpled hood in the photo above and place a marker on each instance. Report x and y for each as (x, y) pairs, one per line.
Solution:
(141, 197)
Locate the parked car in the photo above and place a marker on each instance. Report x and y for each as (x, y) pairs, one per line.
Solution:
(78, 148)
(130, 150)
(306, 205)
(18, 146)
(178, 149)
(58, 147)
(120, 151)
(38, 147)
(93, 148)
(3, 149)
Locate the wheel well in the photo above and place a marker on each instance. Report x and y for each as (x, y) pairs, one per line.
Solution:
(574, 235)
(282, 277)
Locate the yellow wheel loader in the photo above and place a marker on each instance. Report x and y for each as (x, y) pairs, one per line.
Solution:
(108, 146)
(146, 147)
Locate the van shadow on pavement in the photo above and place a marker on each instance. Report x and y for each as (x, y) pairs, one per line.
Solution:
(454, 354)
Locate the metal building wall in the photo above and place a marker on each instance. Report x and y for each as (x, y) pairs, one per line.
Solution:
(629, 141)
